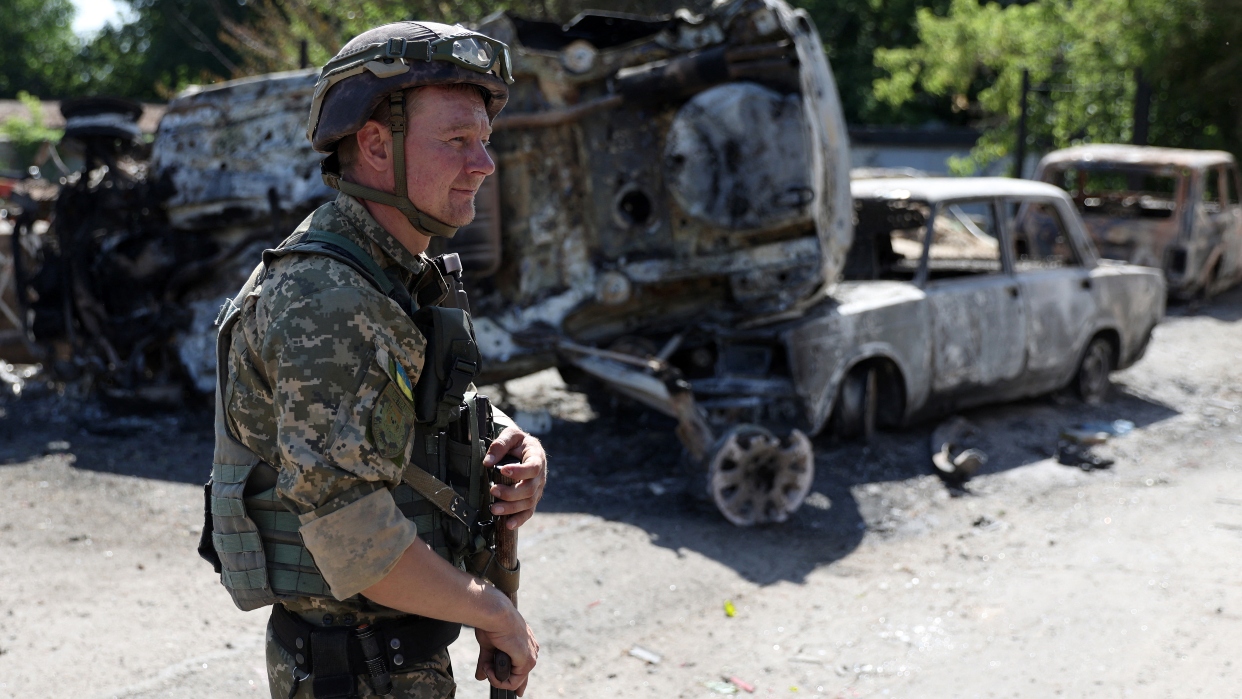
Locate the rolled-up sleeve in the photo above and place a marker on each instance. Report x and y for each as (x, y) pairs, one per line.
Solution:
(326, 355)
(357, 545)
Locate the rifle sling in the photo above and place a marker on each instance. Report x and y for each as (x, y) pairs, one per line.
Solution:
(439, 494)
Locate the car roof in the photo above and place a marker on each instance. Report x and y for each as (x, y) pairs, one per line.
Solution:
(935, 189)
(1137, 155)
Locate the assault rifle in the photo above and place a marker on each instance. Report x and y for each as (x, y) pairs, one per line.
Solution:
(506, 558)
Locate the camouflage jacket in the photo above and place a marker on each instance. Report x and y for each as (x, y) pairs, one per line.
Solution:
(306, 363)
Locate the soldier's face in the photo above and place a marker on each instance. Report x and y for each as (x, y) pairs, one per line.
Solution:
(445, 156)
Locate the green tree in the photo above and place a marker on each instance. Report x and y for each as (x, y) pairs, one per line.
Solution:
(39, 46)
(168, 45)
(1082, 58)
(28, 134)
(852, 31)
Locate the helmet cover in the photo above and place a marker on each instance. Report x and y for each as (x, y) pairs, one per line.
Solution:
(348, 104)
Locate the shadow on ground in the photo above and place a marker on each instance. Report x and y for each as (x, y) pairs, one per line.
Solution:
(170, 446)
(629, 468)
(1226, 307)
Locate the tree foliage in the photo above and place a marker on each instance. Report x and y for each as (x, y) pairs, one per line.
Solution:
(169, 44)
(27, 134)
(852, 31)
(38, 46)
(1082, 59)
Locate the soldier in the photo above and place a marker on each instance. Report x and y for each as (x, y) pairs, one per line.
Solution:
(351, 485)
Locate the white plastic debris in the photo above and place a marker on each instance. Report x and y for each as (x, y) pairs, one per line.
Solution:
(645, 655)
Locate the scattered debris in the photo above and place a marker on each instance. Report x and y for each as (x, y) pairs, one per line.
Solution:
(729, 609)
(645, 655)
(1075, 454)
(15, 377)
(534, 421)
(1075, 443)
(721, 687)
(1092, 433)
(986, 523)
(743, 685)
(818, 501)
(954, 459)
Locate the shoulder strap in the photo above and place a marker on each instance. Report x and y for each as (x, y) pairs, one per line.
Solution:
(339, 248)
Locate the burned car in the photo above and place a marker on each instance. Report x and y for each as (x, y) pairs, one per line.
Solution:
(1175, 209)
(671, 193)
(966, 291)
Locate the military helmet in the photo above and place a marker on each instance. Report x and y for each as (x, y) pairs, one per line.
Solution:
(380, 64)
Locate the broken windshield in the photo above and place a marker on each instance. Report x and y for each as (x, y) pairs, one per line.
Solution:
(1126, 192)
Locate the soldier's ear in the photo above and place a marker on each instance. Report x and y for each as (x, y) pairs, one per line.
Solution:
(374, 147)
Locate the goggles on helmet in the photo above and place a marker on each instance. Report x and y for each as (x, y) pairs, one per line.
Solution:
(471, 51)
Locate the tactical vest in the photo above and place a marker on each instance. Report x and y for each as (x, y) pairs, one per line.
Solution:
(250, 536)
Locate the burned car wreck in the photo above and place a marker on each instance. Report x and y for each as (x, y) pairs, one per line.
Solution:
(670, 218)
(960, 292)
(669, 190)
(1170, 208)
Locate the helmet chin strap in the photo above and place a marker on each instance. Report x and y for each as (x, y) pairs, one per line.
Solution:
(400, 199)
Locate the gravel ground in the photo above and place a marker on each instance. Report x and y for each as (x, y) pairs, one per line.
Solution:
(1035, 580)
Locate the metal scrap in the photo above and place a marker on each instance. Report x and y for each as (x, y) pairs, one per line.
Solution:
(952, 454)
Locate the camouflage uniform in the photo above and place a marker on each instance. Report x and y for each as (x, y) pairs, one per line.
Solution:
(315, 345)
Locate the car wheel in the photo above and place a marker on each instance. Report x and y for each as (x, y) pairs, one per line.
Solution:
(1092, 381)
(754, 477)
(857, 404)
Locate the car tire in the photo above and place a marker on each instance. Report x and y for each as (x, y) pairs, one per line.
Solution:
(857, 404)
(1092, 382)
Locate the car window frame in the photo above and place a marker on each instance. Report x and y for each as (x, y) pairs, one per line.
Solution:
(1217, 173)
(923, 277)
(1084, 259)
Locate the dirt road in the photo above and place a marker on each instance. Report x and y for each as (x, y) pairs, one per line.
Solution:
(1042, 580)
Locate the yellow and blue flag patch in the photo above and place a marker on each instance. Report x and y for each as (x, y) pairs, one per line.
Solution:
(397, 372)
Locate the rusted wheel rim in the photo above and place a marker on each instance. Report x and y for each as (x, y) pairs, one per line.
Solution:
(756, 478)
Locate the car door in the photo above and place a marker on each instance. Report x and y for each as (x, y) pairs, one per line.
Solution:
(1055, 285)
(978, 326)
(1230, 221)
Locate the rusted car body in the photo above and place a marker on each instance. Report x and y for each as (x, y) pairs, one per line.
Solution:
(669, 192)
(966, 291)
(1175, 209)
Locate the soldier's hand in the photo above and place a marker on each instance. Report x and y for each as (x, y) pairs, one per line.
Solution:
(519, 642)
(518, 501)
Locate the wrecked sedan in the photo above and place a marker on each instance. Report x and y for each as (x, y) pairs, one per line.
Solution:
(1170, 208)
(960, 292)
